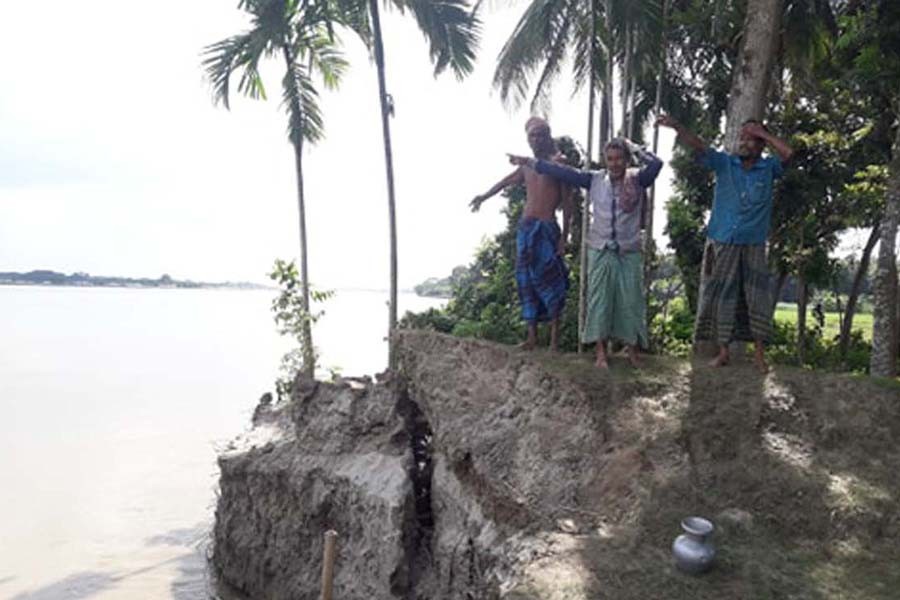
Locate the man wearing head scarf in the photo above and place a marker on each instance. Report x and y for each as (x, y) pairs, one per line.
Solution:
(615, 295)
(542, 278)
(736, 293)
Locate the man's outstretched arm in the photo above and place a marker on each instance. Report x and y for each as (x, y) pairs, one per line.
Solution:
(513, 178)
(560, 172)
(685, 135)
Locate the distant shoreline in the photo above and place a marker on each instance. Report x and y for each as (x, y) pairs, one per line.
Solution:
(46, 278)
(136, 286)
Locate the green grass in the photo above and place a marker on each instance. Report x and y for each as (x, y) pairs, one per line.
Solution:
(787, 313)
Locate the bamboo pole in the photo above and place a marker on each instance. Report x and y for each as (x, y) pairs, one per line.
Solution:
(328, 556)
(585, 209)
(649, 240)
(625, 83)
(656, 105)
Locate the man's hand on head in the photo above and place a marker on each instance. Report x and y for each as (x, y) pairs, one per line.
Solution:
(756, 130)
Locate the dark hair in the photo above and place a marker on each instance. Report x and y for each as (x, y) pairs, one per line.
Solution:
(618, 144)
(757, 121)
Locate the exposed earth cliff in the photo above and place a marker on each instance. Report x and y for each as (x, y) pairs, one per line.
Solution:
(481, 472)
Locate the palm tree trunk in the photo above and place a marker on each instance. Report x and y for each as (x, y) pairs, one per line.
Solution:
(883, 362)
(855, 288)
(585, 209)
(389, 168)
(606, 133)
(309, 360)
(605, 121)
(626, 81)
(752, 74)
(309, 356)
(657, 102)
(632, 75)
(649, 241)
(632, 102)
(802, 302)
(779, 285)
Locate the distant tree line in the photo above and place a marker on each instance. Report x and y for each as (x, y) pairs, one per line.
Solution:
(46, 277)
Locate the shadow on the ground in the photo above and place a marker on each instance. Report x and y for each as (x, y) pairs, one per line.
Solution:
(799, 473)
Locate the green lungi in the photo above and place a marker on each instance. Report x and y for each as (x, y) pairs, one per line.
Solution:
(615, 298)
(736, 295)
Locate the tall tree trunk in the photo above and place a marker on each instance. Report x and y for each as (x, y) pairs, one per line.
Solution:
(605, 121)
(897, 321)
(855, 289)
(625, 83)
(389, 169)
(309, 355)
(752, 75)
(606, 129)
(649, 240)
(802, 301)
(585, 208)
(779, 285)
(632, 106)
(884, 359)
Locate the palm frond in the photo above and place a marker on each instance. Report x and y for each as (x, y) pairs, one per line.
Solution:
(302, 31)
(301, 101)
(223, 58)
(330, 63)
(581, 54)
(354, 15)
(810, 31)
(451, 30)
(530, 44)
(540, 102)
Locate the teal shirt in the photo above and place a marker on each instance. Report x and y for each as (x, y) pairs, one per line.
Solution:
(742, 208)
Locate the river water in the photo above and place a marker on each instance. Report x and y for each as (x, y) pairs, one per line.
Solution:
(112, 405)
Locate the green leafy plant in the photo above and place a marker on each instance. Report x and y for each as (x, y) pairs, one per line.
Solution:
(292, 320)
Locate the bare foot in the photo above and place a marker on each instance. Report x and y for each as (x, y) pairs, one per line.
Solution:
(633, 358)
(759, 358)
(601, 362)
(719, 361)
(527, 346)
(761, 364)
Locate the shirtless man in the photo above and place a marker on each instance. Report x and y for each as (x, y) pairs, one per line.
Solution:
(541, 274)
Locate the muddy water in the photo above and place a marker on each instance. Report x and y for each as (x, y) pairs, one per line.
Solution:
(112, 404)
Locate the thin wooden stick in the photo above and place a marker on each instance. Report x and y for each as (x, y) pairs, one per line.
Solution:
(328, 555)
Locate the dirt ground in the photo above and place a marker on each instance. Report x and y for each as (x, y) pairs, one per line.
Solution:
(798, 470)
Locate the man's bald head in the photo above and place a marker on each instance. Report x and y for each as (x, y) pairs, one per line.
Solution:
(537, 123)
(539, 137)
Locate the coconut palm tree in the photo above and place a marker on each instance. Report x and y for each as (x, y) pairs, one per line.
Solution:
(451, 31)
(301, 35)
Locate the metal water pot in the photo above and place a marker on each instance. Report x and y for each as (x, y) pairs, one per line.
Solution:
(693, 551)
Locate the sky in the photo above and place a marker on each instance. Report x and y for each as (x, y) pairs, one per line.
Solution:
(114, 160)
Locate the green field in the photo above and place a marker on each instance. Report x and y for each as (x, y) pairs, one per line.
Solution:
(787, 313)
